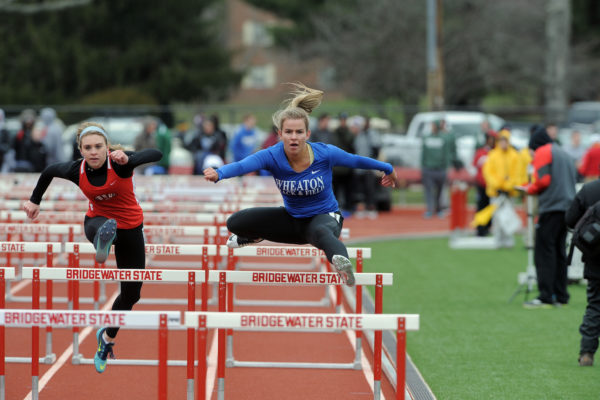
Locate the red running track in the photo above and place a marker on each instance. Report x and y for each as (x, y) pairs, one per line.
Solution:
(64, 380)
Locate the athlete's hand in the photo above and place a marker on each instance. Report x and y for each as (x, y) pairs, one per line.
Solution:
(211, 175)
(32, 210)
(390, 180)
(119, 157)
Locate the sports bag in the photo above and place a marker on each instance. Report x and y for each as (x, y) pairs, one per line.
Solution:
(586, 234)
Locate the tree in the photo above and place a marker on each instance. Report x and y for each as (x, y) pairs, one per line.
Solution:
(169, 50)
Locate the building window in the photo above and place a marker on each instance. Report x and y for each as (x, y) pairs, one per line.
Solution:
(256, 34)
(260, 77)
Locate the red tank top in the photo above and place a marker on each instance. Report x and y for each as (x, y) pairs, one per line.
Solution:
(115, 199)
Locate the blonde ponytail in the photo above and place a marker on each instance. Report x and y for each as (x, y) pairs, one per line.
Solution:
(303, 102)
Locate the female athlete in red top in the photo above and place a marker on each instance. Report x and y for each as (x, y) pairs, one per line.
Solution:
(114, 215)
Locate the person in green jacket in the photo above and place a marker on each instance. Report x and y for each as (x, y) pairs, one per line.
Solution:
(438, 151)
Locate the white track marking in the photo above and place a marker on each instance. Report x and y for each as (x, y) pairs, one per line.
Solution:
(211, 372)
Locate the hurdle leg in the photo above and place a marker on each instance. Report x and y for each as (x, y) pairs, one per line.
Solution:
(229, 361)
(378, 339)
(190, 336)
(162, 358)
(221, 338)
(50, 357)
(401, 359)
(77, 356)
(35, 336)
(358, 310)
(2, 338)
(201, 384)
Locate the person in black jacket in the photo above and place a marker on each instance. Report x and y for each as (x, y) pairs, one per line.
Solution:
(590, 326)
(554, 182)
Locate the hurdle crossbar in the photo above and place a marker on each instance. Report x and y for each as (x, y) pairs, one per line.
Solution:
(201, 250)
(302, 322)
(64, 319)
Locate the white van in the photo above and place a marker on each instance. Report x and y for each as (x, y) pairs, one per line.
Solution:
(405, 150)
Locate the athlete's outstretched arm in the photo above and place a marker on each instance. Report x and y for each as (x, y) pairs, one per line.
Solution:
(342, 158)
(254, 162)
(66, 170)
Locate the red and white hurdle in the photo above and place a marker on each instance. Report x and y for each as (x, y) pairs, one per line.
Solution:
(161, 320)
(202, 321)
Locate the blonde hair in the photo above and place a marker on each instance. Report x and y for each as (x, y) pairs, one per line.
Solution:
(87, 124)
(305, 100)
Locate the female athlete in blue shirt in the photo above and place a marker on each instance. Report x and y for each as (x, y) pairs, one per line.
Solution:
(302, 172)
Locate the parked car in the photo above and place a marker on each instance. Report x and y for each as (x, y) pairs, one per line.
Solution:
(405, 150)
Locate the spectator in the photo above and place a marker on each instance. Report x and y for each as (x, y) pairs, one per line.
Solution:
(366, 144)
(206, 142)
(554, 179)
(147, 139)
(52, 130)
(322, 133)
(4, 139)
(590, 326)
(30, 153)
(342, 176)
(163, 144)
(552, 131)
(575, 149)
(222, 137)
(501, 169)
(272, 138)
(245, 139)
(434, 164)
(483, 200)
(502, 173)
(589, 168)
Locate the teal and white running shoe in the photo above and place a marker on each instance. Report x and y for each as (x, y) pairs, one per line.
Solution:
(104, 350)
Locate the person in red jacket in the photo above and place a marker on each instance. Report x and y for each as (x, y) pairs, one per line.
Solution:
(590, 163)
(554, 179)
(483, 200)
(114, 215)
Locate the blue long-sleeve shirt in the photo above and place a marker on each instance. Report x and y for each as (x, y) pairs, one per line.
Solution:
(307, 193)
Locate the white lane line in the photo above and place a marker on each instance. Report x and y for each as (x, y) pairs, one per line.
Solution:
(68, 353)
(212, 365)
(15, 288)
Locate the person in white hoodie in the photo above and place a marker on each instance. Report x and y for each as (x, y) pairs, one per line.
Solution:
(52, 129)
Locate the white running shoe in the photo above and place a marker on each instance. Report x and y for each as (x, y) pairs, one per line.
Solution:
(344, 269)
(236, 241)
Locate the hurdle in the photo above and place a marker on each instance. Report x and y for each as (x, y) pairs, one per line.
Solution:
(202, 321)
(191, 277)
(226, 279)
(64, 319)
(290, 252)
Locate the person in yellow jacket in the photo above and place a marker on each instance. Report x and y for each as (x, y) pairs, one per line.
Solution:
(502, 172)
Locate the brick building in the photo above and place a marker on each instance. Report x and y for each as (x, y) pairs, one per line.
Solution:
(266, 67)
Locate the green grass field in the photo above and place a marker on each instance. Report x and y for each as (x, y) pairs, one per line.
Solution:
(473, 343)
